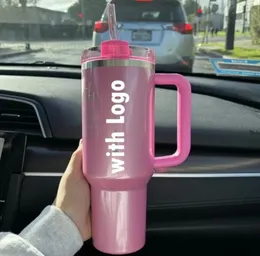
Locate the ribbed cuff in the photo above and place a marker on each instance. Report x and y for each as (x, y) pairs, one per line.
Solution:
(53, 233)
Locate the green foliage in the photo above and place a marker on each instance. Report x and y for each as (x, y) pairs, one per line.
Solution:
(7, 3)
(205, 22)
(23, 3)
(205, 10)
(92, 9)
(191, 7)
(255, 24)
(191, 18)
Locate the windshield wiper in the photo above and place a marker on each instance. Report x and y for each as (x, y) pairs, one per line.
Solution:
(52, 64)
(40, 64)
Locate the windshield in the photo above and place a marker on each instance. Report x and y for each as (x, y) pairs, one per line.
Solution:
(187, 36)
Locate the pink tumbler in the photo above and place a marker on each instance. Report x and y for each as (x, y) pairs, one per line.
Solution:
(118, 139)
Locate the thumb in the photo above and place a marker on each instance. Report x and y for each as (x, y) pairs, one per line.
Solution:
(75, 162)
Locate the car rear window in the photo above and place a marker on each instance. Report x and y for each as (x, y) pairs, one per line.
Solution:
(149, 12)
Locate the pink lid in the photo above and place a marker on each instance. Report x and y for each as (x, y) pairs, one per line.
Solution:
(117, 49)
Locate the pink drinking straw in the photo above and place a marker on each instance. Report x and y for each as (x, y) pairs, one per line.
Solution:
(112, 24)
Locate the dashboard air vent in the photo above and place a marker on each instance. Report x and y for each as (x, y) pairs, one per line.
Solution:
(16, 116)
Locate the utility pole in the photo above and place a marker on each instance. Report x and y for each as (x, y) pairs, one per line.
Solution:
(195, 11)
(26, 24)
(207, 25)
(244, 17)
(222, 7)
(230, 36)
(83, 18)
(198, 17)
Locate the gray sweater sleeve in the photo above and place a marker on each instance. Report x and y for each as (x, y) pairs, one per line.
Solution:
(52, 233)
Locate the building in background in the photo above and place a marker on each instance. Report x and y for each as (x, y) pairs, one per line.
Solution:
(241, 18)
(42, 24)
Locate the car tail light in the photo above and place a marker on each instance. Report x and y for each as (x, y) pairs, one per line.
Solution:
(100, 26)
(185, 28)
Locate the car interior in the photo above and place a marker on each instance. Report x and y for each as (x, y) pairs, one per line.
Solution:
(209, 204)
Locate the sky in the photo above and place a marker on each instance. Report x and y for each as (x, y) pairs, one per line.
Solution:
(59, 5)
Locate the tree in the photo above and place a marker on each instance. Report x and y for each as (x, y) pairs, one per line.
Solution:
(191, 6)
(255, 24)
(23, 3)
(92, 9)
(8, 3)
(26, 28)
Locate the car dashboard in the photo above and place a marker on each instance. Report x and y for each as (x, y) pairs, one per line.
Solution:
(215, 193)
